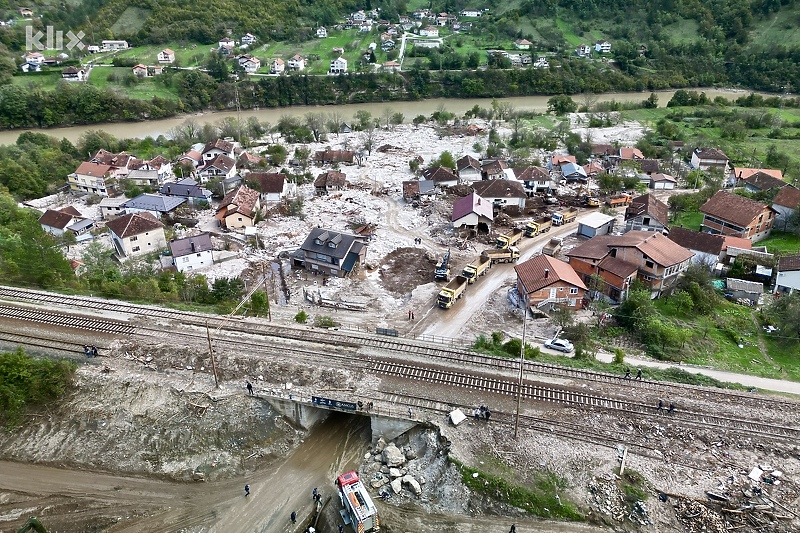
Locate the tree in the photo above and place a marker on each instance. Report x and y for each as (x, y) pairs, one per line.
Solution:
(561, 105)
(363, 119)
(447, 160)
(562, 316)
(217, 67)
(315, 122)
(783, 313)
(397, 119)
(259, 303)
(419, 119)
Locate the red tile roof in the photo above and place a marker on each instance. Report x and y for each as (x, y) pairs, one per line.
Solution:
(532, 273)
(789, 263)
(242, 200)
(788, 197)
(134, 224)
(268, 182)
(332, 178)
(657, 247)
(764, 182)
(439, 174)
(58, 218)
(732, 208)
(697, 240)
(93, 169)
(647, 204)
(499, 189)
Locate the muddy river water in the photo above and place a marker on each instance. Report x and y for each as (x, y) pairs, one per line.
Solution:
(154, 128)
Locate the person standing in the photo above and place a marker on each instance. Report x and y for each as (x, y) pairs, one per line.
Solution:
(247, 490)
(294, 517)
(314, 494)
(639, 374)
(341, 528)
(410, 413)
(513, 529)
(660, 405)
(250, 388)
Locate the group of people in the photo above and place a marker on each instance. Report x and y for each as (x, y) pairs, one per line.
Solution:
(360, 405)
(411, 314)
(670, 410)
(90, 351)
(482, 412)
(417, 240)
(638, 373)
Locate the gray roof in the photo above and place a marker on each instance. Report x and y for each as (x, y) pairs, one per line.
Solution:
(190, 245)
(186, 187)
(332, 243)
(744, 285)
(154, 202)
(143, 174)
(107, 201)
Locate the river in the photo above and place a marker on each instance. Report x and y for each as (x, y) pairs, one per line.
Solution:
(410, 109)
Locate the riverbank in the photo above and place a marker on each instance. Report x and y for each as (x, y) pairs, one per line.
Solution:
(410, 109)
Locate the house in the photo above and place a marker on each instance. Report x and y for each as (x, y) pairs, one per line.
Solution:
(535, 179)
(441, 176)
(414, 190)
(112, 207)
(493, 169)
(166, 56)
(556, 160)
(226, 43)
(429, 31)
(93, 49)
(709, 158)
(338, 66)
(221, 167)
(120, 163)
(658, 261)
(297, 62)
(541, 62)
(92, 178)
(155, 204)
(473, 212)
(785, 204)
(604, 47)
(730, 214)
(761, 181)
(26, 12)
(708, 248)
(140, 70)
(391, 66)
(144, 178)
(660, 182)
(646, 213)
(239, 208)
(113, 45)
(332, 180)
(595, 224)
(788, 278)
(249, 63)
(192, 156)
(502, 193)
(73, 74)
(322, 32)
(544, 282)
(471, 13)
(628, 153)
(219, 147)
(277, 66)
(273, 186)
(330, 253)
(573, 172)
(740, 289)
(583, 50)
(192, 253)
(56, 222)
(329, 157)
(34, 58)
(649, 166)
(738, 174)
(468, 169)
(387, 45)
(593, 169)
(248, 39)
(187, 188)
(522, 44)
(136, 234)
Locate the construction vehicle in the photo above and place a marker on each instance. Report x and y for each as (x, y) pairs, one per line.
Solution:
(591, 201)
(452, 292)
(510, 239)
(553, 247)
(619, 200)
(477, 268)
(508, 255)
(538, 226)
(442, 272)
(359, 511)
(565, 217)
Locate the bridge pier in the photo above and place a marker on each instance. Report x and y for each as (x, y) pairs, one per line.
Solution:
(306, 415)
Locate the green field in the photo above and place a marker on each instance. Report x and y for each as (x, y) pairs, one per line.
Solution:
(689, 220)
(131, 21)
(780, 28)
(45, 81)
(683, 31)
(145, 89)
(783, 243)
(187, 54)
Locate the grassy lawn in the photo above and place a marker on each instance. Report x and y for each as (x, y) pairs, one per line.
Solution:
(47, 81)
(352, 41)
(689, 220)
(780, 28)
(569, 35)
(187, 54)
(782, 243)
(685, 30)
(145, 89)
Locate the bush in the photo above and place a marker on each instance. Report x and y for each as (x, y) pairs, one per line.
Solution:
(301, 317)
(619, 356)
(323, 321)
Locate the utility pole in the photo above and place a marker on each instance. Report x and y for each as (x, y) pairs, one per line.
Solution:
(521, 364)
(213, 362)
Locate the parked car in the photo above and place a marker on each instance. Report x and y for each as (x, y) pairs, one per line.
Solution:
(562, 345)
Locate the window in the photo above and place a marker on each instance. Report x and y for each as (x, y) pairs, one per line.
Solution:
(649, 264)
(134, 238)
(573, 290)
(135, 249)
(185, 259)
(198, 255)
(322, 257)
(331, 245)
(646, 221)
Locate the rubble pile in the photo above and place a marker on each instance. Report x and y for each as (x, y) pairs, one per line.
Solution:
(697, 518)
(606, 499)
(390, 469)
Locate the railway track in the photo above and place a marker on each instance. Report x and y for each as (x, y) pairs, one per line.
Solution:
(67, 321)
(542, 393)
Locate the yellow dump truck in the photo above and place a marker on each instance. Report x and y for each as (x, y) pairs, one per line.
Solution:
(509, 239)
(477, 268)
(538, 226)
(565, 217)
(509, 255)
(452, 292)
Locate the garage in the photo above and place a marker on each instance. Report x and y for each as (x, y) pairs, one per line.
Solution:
(595, 224)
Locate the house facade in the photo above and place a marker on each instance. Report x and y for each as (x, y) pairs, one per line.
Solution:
(92, 178)
(730, 214)
(273, 186)
(297, 62)
(535, 180)
(187, 188)
(192, 253)
(277, 66)
(785, 204)
(136, 234)
(473, 212)
(429, 31)
(442, 176)
(330, 253)
(338, 66)
(112, 207)
(468, 169)
(57, 222)
(545, 282)
(108, 45)
(661, 182)
(646, 213)
(221, 167)
(249, 63)
(166, 56)
(788, 279)
(333, 180)
(73, 74)
(219, 147)
(502, 193)
(239, 208)
(709, 158)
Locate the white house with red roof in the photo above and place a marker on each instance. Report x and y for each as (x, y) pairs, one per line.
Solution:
(166, 56)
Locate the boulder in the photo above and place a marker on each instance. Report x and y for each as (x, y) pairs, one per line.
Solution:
(392, 456)
(410, 481)
(380, 445)
(397, 485)
(198, 476)
(411, 454)
(394, 472)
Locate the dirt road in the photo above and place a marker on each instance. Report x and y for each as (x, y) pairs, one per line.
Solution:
(451, 322)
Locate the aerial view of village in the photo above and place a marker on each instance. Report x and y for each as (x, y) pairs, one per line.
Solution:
(400, 266)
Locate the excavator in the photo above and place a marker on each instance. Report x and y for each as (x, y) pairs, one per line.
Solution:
(442, 272)
(33, 524)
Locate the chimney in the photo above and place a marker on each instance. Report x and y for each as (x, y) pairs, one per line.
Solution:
(546, 273)
(479, 201)
(191, 243)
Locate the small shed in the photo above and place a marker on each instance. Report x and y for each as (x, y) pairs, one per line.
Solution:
(738, 289)
(596, 224)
